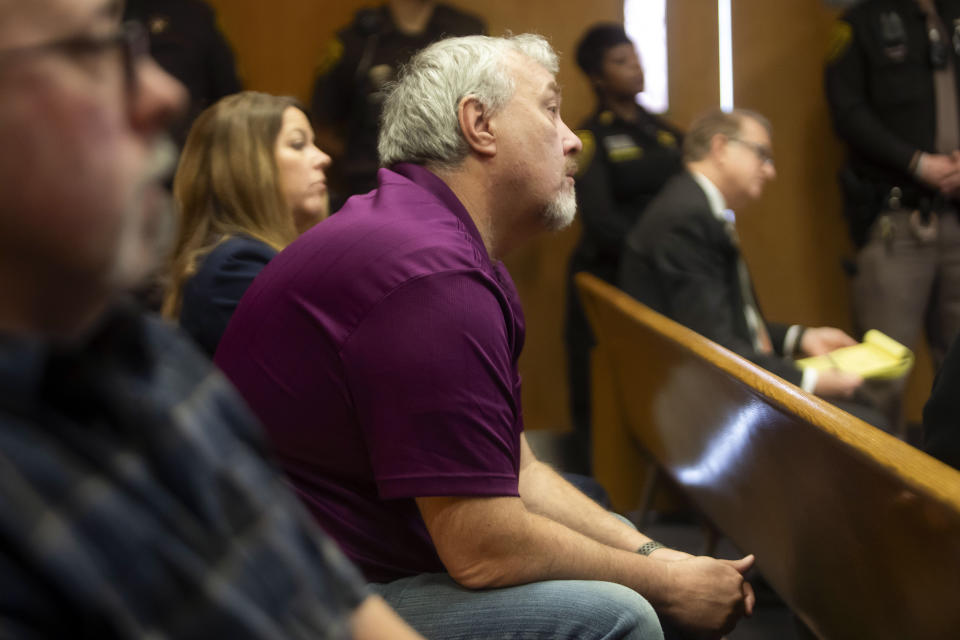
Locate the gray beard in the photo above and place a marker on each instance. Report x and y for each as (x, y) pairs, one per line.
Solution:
(146, 236)
(560, 212)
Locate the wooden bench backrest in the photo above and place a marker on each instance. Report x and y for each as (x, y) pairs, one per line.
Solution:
(856, 530)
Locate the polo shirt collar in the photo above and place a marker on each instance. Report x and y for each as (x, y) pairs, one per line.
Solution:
(430, 182)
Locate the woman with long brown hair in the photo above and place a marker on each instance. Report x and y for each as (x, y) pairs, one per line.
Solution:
(250, 180)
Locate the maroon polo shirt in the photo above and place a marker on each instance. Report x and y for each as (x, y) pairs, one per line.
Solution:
(380, 351)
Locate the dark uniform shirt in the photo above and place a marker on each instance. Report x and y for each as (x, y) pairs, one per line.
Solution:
(879, 84)
(363, 57)
(186, 42)
(622, 167)
(136, 502)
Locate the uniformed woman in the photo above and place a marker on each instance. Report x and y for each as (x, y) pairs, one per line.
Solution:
(628, 155)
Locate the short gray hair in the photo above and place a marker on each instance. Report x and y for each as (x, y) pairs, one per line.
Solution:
(420, 121)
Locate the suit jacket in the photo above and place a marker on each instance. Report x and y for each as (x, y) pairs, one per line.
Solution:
(680, 261)
(211, 296)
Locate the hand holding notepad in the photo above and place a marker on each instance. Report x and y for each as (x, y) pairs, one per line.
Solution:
(878, 357)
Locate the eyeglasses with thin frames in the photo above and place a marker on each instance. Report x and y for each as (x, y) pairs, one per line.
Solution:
(762, 152)
(131, 39)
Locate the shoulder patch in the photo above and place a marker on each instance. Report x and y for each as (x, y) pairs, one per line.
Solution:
(586, 154)
(331, 56)
(840, 40)
(666, 139)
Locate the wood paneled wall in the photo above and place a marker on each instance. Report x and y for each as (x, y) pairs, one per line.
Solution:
(793, 238)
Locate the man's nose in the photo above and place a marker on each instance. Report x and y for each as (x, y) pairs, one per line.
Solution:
(157, 97)
(571, 142)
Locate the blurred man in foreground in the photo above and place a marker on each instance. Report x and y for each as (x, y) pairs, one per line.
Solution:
(136, 498)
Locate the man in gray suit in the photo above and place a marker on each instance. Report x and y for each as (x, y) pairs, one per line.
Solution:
(683, 258)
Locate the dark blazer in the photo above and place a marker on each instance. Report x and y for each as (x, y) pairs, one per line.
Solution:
(211, 296)
(679, 261)
(941, 415)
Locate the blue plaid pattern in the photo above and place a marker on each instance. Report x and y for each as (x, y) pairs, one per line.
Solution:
(135, 501)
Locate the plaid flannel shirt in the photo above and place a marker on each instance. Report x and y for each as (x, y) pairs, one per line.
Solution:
(136, 501)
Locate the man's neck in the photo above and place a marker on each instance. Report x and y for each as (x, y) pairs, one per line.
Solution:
(474, 195)
(710, 171)
(625, 107)
(501, 226)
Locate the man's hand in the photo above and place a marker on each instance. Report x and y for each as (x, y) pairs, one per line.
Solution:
(833, 383)
(951, 185)
(375, 620)
(817, 341)
(666, 554)
(708, 596)
(939, 171)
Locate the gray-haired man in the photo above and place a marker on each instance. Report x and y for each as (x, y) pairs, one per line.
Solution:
(381, 349)
(136, 501)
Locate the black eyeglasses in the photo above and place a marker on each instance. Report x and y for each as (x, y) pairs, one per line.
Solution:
(131, 39)
(762, 152)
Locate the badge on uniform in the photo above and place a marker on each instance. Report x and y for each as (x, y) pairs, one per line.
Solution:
(666, 139)
(157, 24)
(621, 148)
(840, 40)
(894, 36)
(331, 56)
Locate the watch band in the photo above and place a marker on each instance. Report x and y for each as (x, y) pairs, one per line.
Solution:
(649, 547)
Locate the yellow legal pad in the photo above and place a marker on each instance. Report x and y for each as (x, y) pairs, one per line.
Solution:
(878, 356)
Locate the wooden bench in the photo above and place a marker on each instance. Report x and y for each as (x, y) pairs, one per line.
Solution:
(857, 531)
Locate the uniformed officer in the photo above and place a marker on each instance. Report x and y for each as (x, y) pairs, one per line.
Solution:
(628, 155)
(892, 85)
(359, 61)
(186, 41)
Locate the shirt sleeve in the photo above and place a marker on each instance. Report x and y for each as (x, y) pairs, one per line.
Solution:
(211, 297)
(432, 377)
(854, 117)
(221, 66)
(334, 87)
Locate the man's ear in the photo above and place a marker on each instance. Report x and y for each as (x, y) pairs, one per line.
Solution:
(717, 145)
(475, 125)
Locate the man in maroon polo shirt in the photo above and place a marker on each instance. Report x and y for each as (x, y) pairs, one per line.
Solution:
(380, 350)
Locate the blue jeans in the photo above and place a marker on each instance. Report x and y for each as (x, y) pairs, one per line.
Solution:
(440, 609)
